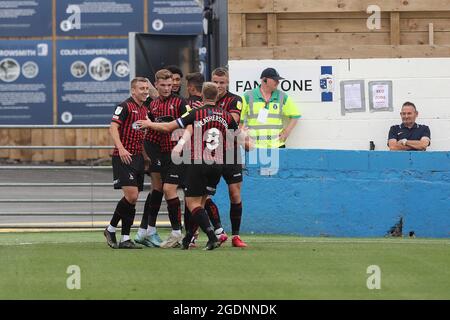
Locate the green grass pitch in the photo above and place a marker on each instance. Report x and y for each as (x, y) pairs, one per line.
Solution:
(34, 266)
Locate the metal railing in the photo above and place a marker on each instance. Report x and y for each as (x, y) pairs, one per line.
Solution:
(12, 217)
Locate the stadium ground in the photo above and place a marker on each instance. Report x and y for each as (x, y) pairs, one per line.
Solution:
(34, 265)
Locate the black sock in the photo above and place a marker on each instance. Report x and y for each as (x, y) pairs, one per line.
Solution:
(146, 213)
(153, 207)
(190, 226)
(189, 233)
(127, 212)
(200, 217)
(116, 217)
(213, 213)
(179, 217)
(187, 220)
(128, 222)
(235, 217)
(173, 206)
(121, 207)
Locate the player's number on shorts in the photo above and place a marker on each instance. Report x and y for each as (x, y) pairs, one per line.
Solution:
(212, 140)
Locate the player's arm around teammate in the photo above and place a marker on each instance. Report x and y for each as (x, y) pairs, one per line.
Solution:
(202, 178)
(232, 172)
(155, 146)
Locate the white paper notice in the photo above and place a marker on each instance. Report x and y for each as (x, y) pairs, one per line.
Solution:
(352, 93)
(380, 96)
(262, 115)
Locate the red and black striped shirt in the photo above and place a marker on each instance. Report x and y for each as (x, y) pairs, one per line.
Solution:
(125, 115)
(194, 101)
(231, 103)
(211, 126)
(165, 110)
(147, 102)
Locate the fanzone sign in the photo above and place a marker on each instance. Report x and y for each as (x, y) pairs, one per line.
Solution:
(305, 80)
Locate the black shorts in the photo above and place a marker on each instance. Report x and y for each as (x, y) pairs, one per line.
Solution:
(170, 172)
(128, 174)
(232, 173)
(202, 179)
(153, 151)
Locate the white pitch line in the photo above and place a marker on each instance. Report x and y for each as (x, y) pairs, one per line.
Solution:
(65, 226)
(45, 242)
(282, 241)
(355, 241)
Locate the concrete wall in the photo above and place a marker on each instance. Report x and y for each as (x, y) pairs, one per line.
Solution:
(425, 82)
(346, 194)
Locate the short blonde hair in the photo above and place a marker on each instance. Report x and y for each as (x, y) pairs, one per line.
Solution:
(138, 79)
(210, 91)
(163, 74)
(220, 72)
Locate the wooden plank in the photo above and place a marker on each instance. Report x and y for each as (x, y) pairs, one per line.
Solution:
(306, 25)
(329, 25)
(272, 31)
(364, 51)
(258, 40)
(441, 38)
(234, 30)
(422, 38)
(431, 35)
(359, 5)
(93, 141)
(25, 140)
(82, 139)
(59, 140)
(37, 139)
(395, 28)
(14, 140)
(345, 25)
(70, 140)
(256, 26)
(318, 6)
(251, 53)
(243, 30)
(104, 139)
(48, 139)
(256, 16)
(4, 141)
(250, 6)
(323, 15)
(413, 25)
(426, 15)
(322, 39)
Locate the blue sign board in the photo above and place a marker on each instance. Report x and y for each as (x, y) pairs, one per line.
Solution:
(93, 77)
(99, 17)
(26, 18)
(26, 82)
(175, 17)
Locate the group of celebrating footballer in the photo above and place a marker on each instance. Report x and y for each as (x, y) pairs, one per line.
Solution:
(152, 127)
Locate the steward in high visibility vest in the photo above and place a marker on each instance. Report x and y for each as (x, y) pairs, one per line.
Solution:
(263, 111)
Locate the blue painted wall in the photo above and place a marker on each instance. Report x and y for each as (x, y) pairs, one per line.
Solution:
(346, 194)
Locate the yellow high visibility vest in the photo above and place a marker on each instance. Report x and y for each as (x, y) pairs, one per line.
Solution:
(266, 135)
